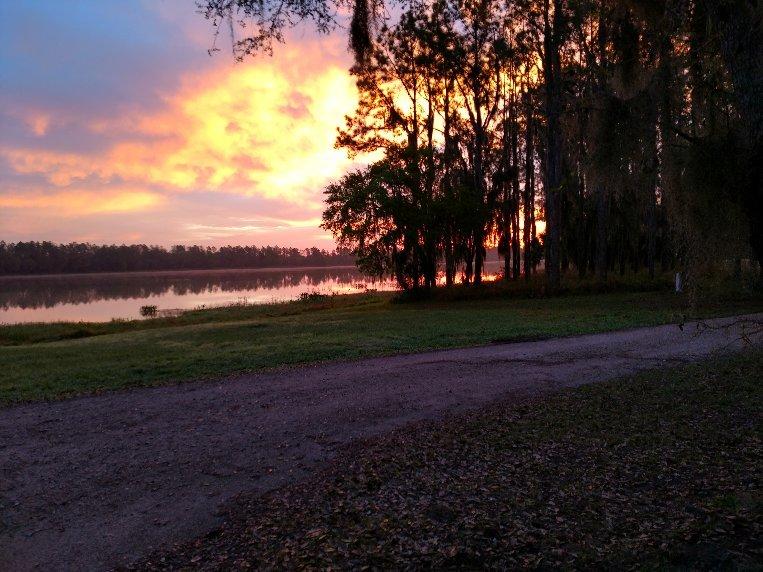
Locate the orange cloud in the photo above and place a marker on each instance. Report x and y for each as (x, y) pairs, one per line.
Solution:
(39, 124)
(264, 128)
(76, 202)
(59, 168)
(262, 225)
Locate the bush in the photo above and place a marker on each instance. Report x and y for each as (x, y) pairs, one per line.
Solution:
(148, 311)
(312, 297)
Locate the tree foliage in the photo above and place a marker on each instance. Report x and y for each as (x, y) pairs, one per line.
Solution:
(76, 257)
(631, 129)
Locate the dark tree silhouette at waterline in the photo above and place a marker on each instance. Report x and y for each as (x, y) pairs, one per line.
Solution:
(76, 257)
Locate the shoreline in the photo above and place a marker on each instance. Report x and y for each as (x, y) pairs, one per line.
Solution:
(176, 272)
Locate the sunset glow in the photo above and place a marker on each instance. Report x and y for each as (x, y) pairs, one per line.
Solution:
(208, 146)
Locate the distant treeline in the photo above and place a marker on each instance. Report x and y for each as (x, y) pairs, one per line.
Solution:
(78, 257)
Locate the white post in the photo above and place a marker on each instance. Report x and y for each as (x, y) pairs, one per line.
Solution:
(679, 283)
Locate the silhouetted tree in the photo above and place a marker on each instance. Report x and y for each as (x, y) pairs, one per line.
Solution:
(639, 120)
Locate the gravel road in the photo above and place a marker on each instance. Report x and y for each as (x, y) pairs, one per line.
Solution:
(95, 482)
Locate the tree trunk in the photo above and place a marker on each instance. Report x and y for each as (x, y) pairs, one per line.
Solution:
(529, 202)
(553, 179)
(515, 202)
(449, 264)
(651, 167)
(602, 208)
(478, 259)
(581, 246)
(468, 268)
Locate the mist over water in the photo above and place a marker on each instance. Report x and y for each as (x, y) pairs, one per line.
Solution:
(102, 297)
(107, 296)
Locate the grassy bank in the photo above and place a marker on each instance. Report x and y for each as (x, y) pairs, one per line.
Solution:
(657, 471)
(50, 361)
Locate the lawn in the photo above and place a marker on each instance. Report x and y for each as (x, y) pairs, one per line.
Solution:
(53, 361)
(656, 471)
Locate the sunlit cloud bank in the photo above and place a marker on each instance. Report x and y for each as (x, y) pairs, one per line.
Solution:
(265, 129)
(78, 202)
(224, 152)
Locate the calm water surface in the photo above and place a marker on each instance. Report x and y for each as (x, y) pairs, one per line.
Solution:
(102, 297)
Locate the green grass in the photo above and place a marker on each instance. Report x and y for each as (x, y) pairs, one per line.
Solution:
(53, 361)
(656, 471)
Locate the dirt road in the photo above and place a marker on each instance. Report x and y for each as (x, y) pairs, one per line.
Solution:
(95, 482)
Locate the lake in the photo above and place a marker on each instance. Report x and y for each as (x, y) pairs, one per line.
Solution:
(102, 297)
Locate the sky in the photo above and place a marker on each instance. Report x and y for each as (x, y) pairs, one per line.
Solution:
(117, 126)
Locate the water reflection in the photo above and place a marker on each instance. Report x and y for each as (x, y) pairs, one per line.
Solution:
(101, 297)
